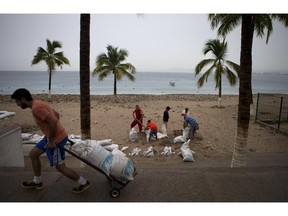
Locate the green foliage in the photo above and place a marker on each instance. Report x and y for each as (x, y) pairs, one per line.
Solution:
(112, 63)
(217, 65)
(50, 56)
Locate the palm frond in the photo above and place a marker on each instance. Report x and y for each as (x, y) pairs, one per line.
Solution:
(203, 64)
(226, 22)
(234, 66)
(204, 77)
(283, 18)
(231, 77)
(263, 22)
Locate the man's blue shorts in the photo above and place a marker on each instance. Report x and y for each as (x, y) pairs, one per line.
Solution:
(56, 155)
(153, 133)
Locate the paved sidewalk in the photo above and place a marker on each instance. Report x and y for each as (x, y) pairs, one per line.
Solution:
(265, 179)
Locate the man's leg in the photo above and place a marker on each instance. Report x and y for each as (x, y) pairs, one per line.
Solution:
(36, 164)
(82, 184)
(134, 123)
(71, 174)
(35, 154)
(140, 126)
(191, 132)
(155, 133)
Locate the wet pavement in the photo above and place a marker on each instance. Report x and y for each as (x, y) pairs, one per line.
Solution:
(211, 180)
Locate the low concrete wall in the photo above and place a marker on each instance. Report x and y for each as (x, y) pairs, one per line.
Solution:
(11, 152)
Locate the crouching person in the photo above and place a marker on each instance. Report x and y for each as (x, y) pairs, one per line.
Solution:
(193, 126)
(153, 130)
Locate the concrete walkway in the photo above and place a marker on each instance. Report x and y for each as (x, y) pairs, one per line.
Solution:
(265, 179)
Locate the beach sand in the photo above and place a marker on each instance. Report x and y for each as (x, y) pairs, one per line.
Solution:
(111, 118)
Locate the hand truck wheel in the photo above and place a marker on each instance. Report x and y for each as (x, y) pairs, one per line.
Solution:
(114, 192)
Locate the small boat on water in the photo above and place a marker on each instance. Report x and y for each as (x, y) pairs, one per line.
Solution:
(172, 83)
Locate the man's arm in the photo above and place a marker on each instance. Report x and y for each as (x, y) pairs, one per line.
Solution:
(52, 124)
(57, 114)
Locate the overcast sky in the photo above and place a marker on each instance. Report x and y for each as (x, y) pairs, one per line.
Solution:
(154, 41)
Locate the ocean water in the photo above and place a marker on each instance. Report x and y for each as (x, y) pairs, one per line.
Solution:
(157, 83)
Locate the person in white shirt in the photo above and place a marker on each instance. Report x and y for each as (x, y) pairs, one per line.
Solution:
(184, 113)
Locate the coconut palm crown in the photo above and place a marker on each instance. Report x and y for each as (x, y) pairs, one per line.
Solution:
(112, 63)
(217, 65)
(51, 58)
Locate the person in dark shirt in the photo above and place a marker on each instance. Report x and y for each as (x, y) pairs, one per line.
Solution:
(166, 116)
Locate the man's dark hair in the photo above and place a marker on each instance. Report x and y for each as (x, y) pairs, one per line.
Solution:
(20, 93)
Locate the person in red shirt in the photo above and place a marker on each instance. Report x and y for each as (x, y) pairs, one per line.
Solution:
(55, 137)
(153, 129)
(138, 118)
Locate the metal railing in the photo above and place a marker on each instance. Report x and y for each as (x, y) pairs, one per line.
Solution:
(272, 110)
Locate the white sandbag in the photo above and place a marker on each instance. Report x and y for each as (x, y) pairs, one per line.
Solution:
(124, 148)
(133, 136)
(149, 152)
(6, 114)
(34, 140)
(184, 137)
(82, 147)
(147, 134)
(178, 139)
(26, 136)
(185, 134)
(104, 142)
(187, 153)
(135, 151)
(167, 151)
(73, 136)
(101, 158)
(122, 168)
(161, 136)
(164, 129)
(107, 144)
(111, 147)
(116, 151)
(73, 140)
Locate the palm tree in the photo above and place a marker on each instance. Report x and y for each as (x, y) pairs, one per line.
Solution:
(111, 62)
(51, 57)
(219, 65)
(85, 113)
(249, 23)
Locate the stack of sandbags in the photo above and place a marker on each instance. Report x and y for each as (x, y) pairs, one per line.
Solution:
(114, 163)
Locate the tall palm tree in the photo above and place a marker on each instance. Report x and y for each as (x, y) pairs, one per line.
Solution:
(51, 58)
(111, 63)
(249, 23)
(217, 65)
(85, 112)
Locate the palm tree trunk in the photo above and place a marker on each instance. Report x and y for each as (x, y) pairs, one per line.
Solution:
(239, 158)
(85, 114)
(251, 96)
(49, 87)
(115, 83)
(220, 91)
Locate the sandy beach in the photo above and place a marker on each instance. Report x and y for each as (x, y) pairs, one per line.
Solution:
(111, 118)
